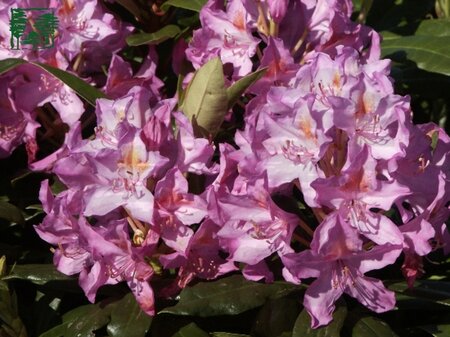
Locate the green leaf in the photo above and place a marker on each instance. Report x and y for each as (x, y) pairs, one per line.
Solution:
(227, 334)
(205, 101)
(372, 327)
(36, 273)
(9, 64)
(431, 53)
(83, 320)
(85, 90)
(436, 291)
(11, 213)
(434, 27)
(227, 296)
(165, 33)
(193, 5)
(441, 330)
(10, 323)
(139, 9)
(238, 88)
(57, 331)
(303, 328)
(88, 92)
(191, 330)
(127, 318)
(276, 317)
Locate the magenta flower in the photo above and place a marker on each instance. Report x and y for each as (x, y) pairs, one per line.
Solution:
(358, 190)
(337, 260)
(121, 180)
(202, 258)
(253, 226)
(176, 209)
(223, 34)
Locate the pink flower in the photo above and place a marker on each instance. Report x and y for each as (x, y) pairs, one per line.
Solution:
(121, 180)
(176, 209)
(337, 260)
(223, 34)
(356, 191)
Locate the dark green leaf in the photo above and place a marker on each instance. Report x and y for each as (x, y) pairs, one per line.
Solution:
(303, 328)
(372, 327)
(193, 5)
(431, 53)
(36, 273)
(227, 334)
(436, 291)
(137, 9)
(11, 213)
(276, 317)
(228, 296)
(88, 92)
(205, 100)
(441, 330)
(191, 330)
(11, 324)
(9, 64)
(238, 88)
(57, 331)
(127, 318)
(83, 320)
(165, 33)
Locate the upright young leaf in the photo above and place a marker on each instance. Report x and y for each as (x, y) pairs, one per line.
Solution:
(238, 88)
(206, 101)
(165, 33)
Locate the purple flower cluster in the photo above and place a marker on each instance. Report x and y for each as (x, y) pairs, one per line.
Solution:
(323, 129)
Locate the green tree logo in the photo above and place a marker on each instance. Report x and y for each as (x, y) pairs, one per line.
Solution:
(17, 27)
(38, 29)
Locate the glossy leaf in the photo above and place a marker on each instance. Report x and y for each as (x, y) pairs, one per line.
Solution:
(11, 213)
(127, 318)
(165, 33)
(441, 330)
(431, 53)
(191, 330)
(436, 291)
(238, 88)
(36, 273)
(83, 320)
(205, 101)
(276, 317)
(86, 91)
(302, 325)
(228, 296)
(372, 327)
(193, 5)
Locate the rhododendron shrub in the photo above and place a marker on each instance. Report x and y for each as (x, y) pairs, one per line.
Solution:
(282, 159)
